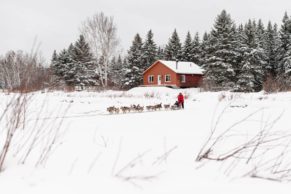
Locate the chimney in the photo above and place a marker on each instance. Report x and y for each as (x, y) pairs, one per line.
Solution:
(177, 63)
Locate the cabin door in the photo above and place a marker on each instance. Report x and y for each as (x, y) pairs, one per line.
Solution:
(159, 79)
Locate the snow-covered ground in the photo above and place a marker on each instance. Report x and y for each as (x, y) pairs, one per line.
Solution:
(78, 147)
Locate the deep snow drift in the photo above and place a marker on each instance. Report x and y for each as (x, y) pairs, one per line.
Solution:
(78, 147)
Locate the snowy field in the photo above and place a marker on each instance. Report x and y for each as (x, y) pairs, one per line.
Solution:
(69, 143)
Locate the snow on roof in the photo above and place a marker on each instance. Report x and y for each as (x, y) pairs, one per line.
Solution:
(183, 67)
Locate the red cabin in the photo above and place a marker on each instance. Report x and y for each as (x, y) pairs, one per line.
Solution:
(173, 73)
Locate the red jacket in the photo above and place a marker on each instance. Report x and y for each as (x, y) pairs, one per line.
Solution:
(180, 98)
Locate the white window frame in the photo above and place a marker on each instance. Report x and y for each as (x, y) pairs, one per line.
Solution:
(168, 76)
(183, 78)
(151, 78)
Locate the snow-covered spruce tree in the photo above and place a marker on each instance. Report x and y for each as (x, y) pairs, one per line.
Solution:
(196, 50)
(206, 49)
(116, 72)
(240, 49)
(286, 61)
(251, 76)
(285, 33)
(173, 50)
(61, 66)
(134, 66)
(110, 72)
(220, 66)
(277, 45)
(54, 64)
(69, 66)
(260, 33)
(245, 81)
(261, 42)
(57, 67)
(160, 53)
(271, 46)
(54, 57)
(119, 71)
(149, 50)
(83, 66)
(187, 48)
(284, 52)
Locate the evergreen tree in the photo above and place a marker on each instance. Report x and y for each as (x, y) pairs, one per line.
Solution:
(83, 64)
(124, 69)
(173, 50)
(160, 53)
(270, 46)
(69, 66)
(285, 33)
(116, 72)
(81, 50)
(74, 66)
(251, 76)
(71, 50)
(149, 50)
(187, 48)
(111, 72)
(56, 67)
(119, 71)
(54, 63)
(101, 66)
(261, 43)
(134, 66)
(206, 50)
(220, 66)
(286, 62)
(241, 48)
(196, 50)
(54, 57)
(260, 33)
(61, 67)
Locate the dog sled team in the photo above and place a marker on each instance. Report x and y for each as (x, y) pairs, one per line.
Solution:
(179, 104)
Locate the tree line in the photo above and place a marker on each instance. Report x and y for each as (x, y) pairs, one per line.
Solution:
(248, 57)
(245, 57)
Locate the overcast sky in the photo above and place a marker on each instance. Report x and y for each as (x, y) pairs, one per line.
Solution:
(55, 23)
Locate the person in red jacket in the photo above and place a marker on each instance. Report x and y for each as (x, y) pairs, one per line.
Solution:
(181, 100)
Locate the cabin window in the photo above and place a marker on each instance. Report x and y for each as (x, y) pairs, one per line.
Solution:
(183, 78)
(168, 78)
(151, 79)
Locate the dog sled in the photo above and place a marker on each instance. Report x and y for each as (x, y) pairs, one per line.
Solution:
(176, 106)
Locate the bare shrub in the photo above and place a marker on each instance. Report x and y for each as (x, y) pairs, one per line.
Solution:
(207, 85)
(277, 84)
(16, 109)
(127, 172)
(119, 95)
(20, 71)
(69, 88)
(221, 97)
(25, 132)
(272, 85)
(262, 152)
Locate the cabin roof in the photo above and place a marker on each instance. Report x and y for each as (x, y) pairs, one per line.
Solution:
(183, 67)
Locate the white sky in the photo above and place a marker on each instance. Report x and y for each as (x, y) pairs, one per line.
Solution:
(55, 23)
